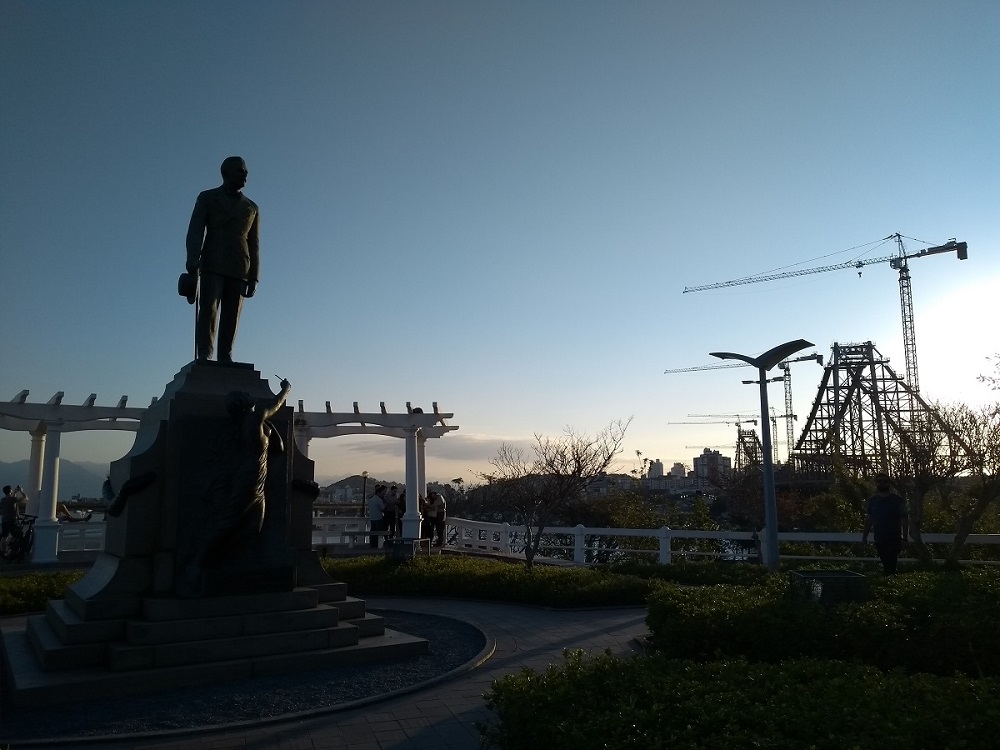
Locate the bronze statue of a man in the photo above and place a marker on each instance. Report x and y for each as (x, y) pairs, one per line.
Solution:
(223, 246)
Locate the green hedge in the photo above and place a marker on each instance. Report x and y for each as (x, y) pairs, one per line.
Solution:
(29, 593)
(694, 573)
(474, 578)
(931, 622)
(656, 702)
(460, 577)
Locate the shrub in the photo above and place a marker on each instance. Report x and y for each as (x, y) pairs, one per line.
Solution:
(694, 573)
(655, 702)
(931, 622)
(476, 578)
(29, 593)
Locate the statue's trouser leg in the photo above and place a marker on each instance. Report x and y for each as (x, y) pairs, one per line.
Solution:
(209, 295)
(232, 305)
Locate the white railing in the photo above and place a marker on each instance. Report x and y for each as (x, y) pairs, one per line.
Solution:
(588, 544)
(338, 530)
(85, 536)
(580, 543)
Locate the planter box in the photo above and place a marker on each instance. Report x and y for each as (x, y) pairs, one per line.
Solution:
(829, 586)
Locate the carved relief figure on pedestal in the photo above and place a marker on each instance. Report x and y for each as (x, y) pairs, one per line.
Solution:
(233, 501)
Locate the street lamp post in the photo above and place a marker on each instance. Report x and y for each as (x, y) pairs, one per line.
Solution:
(763, 363)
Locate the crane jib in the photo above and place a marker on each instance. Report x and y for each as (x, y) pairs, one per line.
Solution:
(960, 248)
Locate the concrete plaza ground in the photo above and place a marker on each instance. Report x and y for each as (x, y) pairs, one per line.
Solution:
(442, 715)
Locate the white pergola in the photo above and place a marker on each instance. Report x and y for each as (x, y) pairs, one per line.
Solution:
(46, 422)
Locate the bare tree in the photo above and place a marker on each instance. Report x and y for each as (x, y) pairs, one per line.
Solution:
(993, 381)
(560, 471)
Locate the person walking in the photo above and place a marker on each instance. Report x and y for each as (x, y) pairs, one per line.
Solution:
(887, 518)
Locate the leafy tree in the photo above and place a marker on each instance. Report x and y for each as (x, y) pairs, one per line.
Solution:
(537, 491)
(620, 509)
(931, 455)
(980, 430)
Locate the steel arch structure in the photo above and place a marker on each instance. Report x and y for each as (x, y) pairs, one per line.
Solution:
(864, 414)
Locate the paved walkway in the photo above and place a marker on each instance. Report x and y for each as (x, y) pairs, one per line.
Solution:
(442, 716)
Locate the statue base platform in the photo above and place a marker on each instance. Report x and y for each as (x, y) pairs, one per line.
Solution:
(187, 591)
(56, 658)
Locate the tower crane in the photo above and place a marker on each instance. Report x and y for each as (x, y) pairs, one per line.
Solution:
(737, 422)
(788, 416)
(897, 261)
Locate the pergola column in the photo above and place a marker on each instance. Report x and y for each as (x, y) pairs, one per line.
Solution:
(411, 519)
(421, 464)
(300, 429)
(46, 547)
(34, 488)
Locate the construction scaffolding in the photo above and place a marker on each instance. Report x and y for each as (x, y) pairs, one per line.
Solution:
(864, 415)
(749, 451)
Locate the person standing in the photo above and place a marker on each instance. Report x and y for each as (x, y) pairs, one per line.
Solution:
(376, 514)
(887, 518)
(9, 513)
(436, 510)
(223, 247)
(391, 511)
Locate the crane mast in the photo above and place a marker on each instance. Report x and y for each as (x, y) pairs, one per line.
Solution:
(906, 311)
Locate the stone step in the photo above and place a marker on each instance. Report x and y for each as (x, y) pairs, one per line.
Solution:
(330, 592)
(350, 608)
(31, 687)
(368, 626)
(103, 608)
(216, 606)
(158, 656)
(143, 633)
(73, 629)
(53, 654)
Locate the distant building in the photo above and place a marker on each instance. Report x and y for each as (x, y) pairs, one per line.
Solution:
(655, 469)
(711, 465)
(609, 483)
(678, 470)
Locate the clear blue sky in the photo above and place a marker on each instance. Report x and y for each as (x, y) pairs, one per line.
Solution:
(496, 205)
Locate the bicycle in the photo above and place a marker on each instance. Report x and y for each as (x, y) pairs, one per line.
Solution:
(16, 545)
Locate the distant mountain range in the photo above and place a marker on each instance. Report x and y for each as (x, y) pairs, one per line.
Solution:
(82, 478)
(357, 483)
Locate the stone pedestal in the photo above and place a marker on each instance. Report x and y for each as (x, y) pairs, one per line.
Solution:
(196, 585)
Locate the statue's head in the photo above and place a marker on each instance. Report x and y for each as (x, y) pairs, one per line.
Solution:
(234, 172)
(239, 403)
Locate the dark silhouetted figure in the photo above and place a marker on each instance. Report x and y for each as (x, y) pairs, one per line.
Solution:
(223, 247)
(887, 518)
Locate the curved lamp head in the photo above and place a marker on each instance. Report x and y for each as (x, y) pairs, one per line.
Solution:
(771, 357)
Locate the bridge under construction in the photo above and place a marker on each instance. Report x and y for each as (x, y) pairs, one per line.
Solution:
(864, 414)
